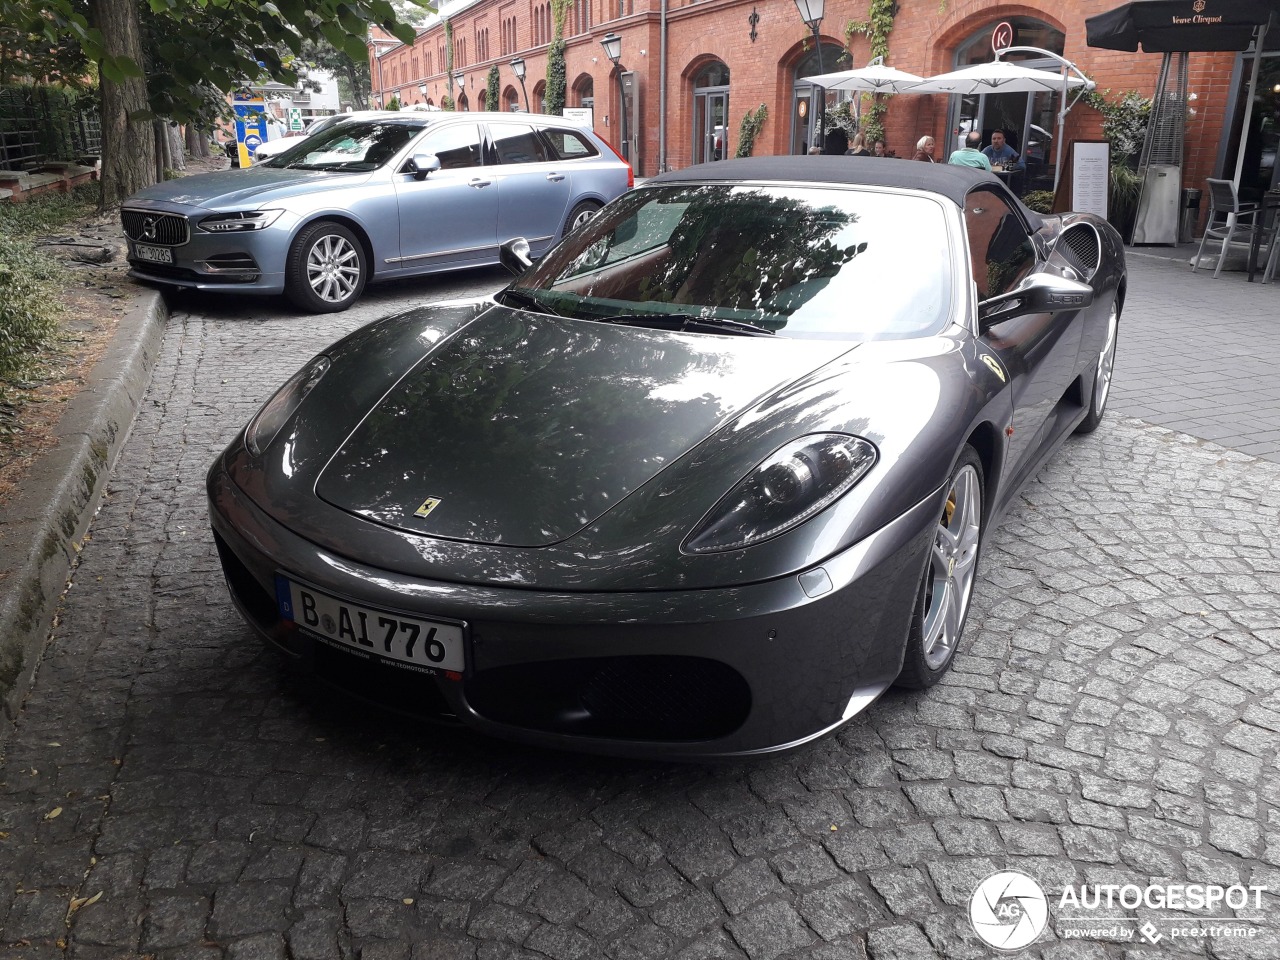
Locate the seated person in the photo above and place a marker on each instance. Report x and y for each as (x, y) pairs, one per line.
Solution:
(969, 155)
(1001, 154)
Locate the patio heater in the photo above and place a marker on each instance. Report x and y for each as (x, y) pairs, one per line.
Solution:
(1160, 165)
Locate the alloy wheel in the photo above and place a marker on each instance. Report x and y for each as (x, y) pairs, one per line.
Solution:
(952, 567)
(1106, 361)
(333, 268)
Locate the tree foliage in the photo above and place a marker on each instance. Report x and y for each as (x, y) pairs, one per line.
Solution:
(352, 74)
(192, 52)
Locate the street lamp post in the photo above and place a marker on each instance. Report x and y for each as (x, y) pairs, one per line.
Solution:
(461, 80)
(422, 92)
(811, 13)
(517, 67)
(612, 44)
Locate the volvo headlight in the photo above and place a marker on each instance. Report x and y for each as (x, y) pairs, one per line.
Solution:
(788, 488)
(275, 412)
(239, 222)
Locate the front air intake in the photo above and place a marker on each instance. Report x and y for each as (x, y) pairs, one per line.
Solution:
(668, 698)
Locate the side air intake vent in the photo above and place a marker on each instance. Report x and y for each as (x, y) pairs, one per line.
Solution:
(1081, 247)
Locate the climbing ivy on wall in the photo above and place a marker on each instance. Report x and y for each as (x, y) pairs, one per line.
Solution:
(446, 102)
(876, 28)
(556, 80)
(491, 92)
(752, 122)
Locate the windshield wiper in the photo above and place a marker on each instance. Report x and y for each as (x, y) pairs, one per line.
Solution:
(688, 322)
(518, 298)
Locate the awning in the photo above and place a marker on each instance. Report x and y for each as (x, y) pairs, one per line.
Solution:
(1165, 26)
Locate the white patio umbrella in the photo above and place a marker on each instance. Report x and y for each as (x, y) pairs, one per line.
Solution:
(873, 78)
(998, 76)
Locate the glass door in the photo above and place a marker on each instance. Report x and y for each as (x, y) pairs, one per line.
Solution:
(710, 133)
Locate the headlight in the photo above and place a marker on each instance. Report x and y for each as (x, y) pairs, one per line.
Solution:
(785, 490)
(267, 422)
(239, 222)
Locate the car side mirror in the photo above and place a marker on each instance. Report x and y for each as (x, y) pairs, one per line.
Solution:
(423, 164)
(514, 255)
(1038, 293)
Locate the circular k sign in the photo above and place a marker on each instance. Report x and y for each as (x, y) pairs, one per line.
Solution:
(1002, 36)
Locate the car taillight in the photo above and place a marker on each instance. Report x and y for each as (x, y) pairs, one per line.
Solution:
(631, 174)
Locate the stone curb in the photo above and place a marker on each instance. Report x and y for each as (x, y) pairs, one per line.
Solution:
(41, 529)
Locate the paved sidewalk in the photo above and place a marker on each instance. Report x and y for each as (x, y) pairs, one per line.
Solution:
(170, 791)
(1199, 355)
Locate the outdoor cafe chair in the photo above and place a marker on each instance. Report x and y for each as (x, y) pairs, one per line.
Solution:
(1227, 216)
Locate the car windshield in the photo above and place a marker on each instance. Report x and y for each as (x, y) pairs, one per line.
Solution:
(805, 262)
(357, 145)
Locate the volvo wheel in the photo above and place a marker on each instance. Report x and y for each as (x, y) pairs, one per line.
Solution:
(326, 270)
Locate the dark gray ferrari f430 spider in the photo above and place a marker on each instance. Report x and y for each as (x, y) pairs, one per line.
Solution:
(705, 480)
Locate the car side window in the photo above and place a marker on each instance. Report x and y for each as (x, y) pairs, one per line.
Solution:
(568, 144)
(1002, 251)
(457, 146)
(518, 143)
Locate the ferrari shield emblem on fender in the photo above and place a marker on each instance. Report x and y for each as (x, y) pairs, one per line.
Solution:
(995, 366)
(428, 505)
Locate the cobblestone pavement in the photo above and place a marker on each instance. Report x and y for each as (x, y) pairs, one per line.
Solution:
(172, 792)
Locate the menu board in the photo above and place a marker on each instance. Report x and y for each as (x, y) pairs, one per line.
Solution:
(1090, 176)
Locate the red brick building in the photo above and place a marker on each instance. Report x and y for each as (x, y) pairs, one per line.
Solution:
(726, 57)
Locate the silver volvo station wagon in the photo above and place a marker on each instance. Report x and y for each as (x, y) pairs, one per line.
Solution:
(373, 199)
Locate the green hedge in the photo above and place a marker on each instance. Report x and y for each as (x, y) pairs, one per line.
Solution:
(29, 279)
(28, 308)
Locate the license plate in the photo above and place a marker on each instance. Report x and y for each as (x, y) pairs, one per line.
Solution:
(428, 646)
(144, 251)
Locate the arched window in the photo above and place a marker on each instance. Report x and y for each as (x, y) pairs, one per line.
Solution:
(1028, 120)
(807, 101)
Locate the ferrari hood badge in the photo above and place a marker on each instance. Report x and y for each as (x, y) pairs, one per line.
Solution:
(428, 505)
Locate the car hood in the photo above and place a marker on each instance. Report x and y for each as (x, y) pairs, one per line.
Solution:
(235, 189)
(522, 429)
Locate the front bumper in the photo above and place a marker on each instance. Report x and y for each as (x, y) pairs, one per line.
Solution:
(248, 262)
(726, 672)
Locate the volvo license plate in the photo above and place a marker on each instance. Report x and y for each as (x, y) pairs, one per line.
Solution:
(145, 251)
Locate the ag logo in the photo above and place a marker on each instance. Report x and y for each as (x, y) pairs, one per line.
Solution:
(1008, 910)
(428, 505)
(149, 228)
(1198, 6)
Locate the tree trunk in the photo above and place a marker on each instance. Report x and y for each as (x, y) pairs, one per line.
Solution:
(177, 153)
(197, 142)
(162, 148)
(128, 146)
(357, 94)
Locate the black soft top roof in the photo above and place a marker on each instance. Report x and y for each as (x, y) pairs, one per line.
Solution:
(949, 180)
